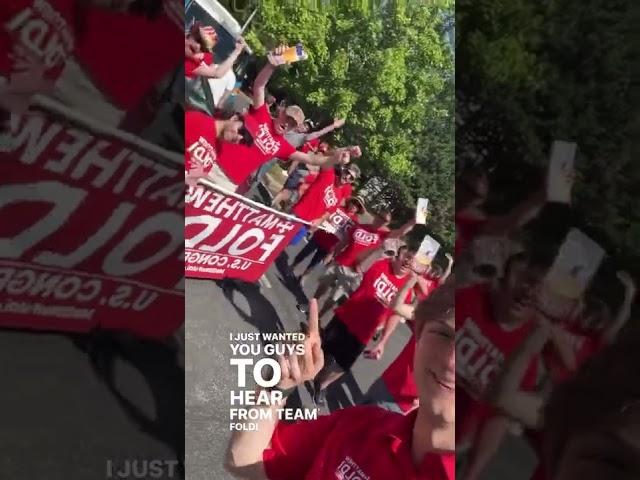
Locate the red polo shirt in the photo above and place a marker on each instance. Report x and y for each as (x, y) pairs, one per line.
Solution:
(369, 306)
(363, 238)
(322, 196)
(238, 161)
(482, 346)
(199, 140)
(355, 443)
(399, 380)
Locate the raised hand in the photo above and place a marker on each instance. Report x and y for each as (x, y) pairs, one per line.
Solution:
(275, 56)
(338, 122)
(297, 369)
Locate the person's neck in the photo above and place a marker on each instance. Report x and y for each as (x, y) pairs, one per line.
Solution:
(219, 128)
(431, 433)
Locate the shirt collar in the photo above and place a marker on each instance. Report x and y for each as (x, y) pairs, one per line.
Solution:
(400, 431)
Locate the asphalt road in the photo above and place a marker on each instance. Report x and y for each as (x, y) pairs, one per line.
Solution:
(211, 315)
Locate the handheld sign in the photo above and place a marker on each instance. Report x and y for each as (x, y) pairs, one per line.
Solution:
(421, 211)
(573, 269)
(561, 168)
(427, 252)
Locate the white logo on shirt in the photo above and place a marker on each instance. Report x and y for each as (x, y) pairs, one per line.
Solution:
(477, 359)
(349, 470)
(330, 199)
(365, 238)
(265, 141)
(385, 289)
(44, 32)
(202, 152)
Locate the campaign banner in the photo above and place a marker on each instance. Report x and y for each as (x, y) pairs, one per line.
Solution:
(338, 223)
(229, 236)
(92, 230)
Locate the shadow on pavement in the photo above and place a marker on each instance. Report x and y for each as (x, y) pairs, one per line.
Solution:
(262, 314)
(337, 398)
(158, 363)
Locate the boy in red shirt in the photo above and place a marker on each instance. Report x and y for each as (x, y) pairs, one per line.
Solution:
(37, 39)
(202, 135)
(342, 221)
(199, 45)
(363, 442)
(324, 196)
(345, 274)
(355, 322)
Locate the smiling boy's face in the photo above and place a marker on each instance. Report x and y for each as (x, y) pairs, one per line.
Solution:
(435, 355)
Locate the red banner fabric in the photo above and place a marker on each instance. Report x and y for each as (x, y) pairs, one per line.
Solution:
(227, 236)
(91, 233)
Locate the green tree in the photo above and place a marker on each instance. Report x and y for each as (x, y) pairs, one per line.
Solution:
(389, 71)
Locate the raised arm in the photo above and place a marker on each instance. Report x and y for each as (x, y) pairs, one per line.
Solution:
(337, 123)
(403, 230)
(398, 305)
(624, 312)
(338, 156)
(245, 450)
(261, 81)
(447, 271)
(219, 71)
(505, 393)
(516, 218)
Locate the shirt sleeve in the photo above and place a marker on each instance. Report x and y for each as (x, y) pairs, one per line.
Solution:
(294, 446)
(286, 150)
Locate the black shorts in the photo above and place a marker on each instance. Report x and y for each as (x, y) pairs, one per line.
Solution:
(339, 343)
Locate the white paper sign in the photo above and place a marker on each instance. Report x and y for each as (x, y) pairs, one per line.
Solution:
(561, 168)
(421, 211)
(573, 269)
(427, 251)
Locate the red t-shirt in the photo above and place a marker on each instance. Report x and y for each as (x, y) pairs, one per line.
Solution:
(199, 140)
(45, 28)
(332, 447)
(431, 283)
(584, 347)
(238, 161)
(363, 238)
(346, 190)
(369, 305)
(398, 377)
(342, 221)
(310, 146)
(190, 64)
(321, 197)
(466, 230)
(482, 346)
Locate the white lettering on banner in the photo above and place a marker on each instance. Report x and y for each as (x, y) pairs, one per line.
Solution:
(385, 289)
(65, 201)
(477, 359)
(265, 141)
(233, 240)
(202, 152)
(330, 198)
(44, 32)
(365, 237)
(92, 161)
(228, 207)
(350, 470)
(62, 285)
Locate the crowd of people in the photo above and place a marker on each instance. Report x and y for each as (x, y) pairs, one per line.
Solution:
(524, 346)
(372, 281)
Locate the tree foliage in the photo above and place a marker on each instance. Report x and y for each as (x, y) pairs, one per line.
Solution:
(529, 72)
(389, 71)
